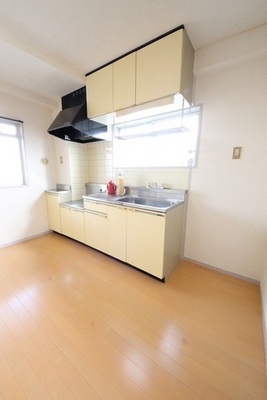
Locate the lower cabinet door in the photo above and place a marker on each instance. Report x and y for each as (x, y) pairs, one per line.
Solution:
(117, 220)
(95, 229)
(66, 220)
(145, 241)
(72, 223)
(77, 225)
(54, 221)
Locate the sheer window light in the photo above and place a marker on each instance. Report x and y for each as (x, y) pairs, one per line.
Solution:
(165, 140)
(12, 153)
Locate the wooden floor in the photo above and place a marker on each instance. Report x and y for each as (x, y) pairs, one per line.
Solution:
(76, 324)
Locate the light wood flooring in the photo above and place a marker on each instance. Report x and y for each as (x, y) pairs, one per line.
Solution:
(76, 324)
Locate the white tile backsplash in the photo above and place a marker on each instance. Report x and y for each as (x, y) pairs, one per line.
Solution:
(93, 162)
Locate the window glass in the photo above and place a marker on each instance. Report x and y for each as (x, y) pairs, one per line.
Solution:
(165, 140)
(12, 155)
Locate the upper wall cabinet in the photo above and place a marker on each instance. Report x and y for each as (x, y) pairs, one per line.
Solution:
(99, 92)
(165, 67)
(111, 88)
(124, 82)
(156, 70)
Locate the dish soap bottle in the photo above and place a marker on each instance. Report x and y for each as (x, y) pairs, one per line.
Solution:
(120, 184)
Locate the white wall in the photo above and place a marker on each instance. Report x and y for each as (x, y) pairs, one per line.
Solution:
(23, 210)
(62, 158)
(227, 218)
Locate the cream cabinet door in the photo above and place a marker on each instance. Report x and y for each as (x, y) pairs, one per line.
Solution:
(66, 220)
(54, 222)
(95, 229)
(124, 82)
(72, 223)
(145, 241)
(117, 220)
(77, 225)
(158, 68)
(99, 92)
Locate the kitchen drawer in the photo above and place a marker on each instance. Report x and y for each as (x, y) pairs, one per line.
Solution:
(95, 206)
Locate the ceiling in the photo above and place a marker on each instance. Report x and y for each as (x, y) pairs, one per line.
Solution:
(47, 47)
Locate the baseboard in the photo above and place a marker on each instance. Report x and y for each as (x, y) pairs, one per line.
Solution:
(25, 239)
(223, 271)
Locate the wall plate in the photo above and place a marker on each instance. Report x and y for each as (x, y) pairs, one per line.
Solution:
(236, 153)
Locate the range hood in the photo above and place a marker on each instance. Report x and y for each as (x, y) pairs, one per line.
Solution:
(72, 123)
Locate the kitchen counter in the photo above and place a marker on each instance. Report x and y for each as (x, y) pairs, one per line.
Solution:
(60, 188)
(74, 203)
(175, 196)
(56, 191)
(102, 197)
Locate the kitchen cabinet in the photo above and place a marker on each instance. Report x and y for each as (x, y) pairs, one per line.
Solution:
(173, 239)
(95, 225)
(99, 92)
(53, 200)
(54, 222)
(165, 67)
(145, 241)
(157, 70)
(124, 82)
(72, 222)
(78, 225)
(66, 220)
(154, 240)
(117, 224)
(157, 73)
(148, 240)
(111, 87)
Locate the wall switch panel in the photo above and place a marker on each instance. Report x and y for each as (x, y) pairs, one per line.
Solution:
(236, 153)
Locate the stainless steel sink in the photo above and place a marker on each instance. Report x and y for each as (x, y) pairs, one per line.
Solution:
(148, 201)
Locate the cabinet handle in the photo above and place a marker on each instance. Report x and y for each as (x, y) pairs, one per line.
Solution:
(95, 213)
(146, 212)
(118, 207)
(92, 202)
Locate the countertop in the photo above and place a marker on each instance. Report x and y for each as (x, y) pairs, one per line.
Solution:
(74, 204)
(57, 191)
(112, 199)
(178, 197)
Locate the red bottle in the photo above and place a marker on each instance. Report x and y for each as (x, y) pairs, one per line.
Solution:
(111, 187)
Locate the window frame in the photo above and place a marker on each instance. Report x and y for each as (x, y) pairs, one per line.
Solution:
(186, 160)
(21, 161)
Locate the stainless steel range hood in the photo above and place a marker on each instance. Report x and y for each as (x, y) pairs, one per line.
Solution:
(72, 123)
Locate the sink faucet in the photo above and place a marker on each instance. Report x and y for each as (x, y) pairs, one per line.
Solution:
(155, 185)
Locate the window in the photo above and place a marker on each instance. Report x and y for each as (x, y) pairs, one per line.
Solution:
(12, 155)
(163, 140)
